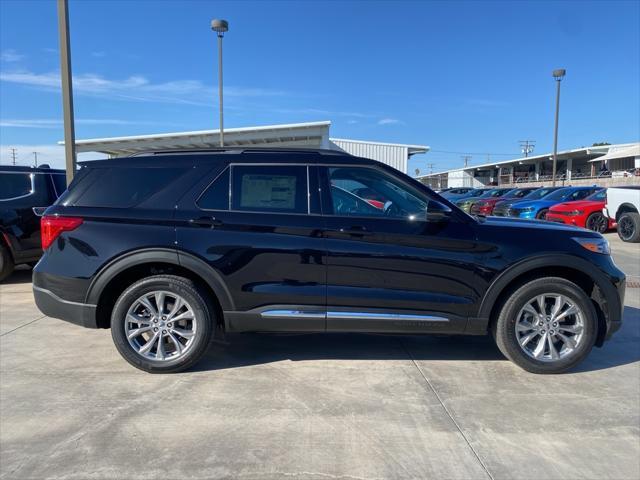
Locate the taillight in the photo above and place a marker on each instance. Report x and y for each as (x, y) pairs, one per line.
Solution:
(51, 227)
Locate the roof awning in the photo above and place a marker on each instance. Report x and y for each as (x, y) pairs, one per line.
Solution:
(633, 151)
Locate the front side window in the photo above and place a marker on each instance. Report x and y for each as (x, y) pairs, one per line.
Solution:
(13, 185)
(361, 191)
(269, 188)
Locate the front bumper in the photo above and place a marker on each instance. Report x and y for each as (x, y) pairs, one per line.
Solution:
(51, 305)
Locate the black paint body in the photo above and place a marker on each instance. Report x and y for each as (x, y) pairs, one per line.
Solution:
(453, 270)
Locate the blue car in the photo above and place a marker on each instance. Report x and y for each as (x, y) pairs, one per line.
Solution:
(532, 209)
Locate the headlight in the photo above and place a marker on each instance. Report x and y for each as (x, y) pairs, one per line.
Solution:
(574, 213)
(597, 245)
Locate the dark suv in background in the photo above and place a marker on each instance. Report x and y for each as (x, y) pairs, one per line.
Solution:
(167, 247)
(21, 190)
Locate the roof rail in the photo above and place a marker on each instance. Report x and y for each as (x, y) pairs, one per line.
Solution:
(321, 151)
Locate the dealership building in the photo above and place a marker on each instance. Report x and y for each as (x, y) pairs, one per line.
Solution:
(606, 165)
(296, 135)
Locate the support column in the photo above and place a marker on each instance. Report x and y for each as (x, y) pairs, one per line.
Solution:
(569, 165)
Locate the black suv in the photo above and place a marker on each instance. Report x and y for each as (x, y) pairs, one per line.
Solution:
(166, 248)
(21, 190)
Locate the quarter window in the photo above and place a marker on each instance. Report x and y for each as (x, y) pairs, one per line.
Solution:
(216, 197)
(275, 189)
(14, 185)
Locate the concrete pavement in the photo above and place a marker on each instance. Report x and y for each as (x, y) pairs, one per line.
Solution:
(313, 406)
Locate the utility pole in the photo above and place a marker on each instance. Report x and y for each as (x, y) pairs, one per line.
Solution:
(35, 156)
(67, 89)
(466, 159)
(13, 155)
(430, 167)
(527, 146)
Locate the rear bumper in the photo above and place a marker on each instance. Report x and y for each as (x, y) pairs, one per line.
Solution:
(51, 305)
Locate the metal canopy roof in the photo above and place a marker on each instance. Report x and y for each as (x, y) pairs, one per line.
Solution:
(313, 134)
(614, 153)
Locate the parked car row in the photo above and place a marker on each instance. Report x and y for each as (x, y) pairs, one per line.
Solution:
(578, 206)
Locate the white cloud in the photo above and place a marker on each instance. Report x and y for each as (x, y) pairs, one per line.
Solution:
(389, 121)
(56, 123)
(98, 54)
(52, 155)
(135, 87)
(10, 55)
(352, 122)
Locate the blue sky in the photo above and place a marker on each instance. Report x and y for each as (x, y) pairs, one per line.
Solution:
(459, 76)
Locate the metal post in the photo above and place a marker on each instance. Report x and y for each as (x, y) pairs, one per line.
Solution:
(220, 89)
(558, 75)
(67, 90)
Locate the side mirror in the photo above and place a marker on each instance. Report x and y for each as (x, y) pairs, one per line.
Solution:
(437, 212)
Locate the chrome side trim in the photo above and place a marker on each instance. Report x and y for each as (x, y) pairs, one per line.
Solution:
(281, 313)
(384, 316)
(292, 314)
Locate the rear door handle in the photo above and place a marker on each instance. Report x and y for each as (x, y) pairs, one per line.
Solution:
(206, 222)
(356, 231)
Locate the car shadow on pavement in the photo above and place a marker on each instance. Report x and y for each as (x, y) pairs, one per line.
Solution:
(240, 350)
(21, 275)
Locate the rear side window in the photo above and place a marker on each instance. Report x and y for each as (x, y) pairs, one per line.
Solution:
(14, 185)
(120, 187)
(274, 189)
(216, 196)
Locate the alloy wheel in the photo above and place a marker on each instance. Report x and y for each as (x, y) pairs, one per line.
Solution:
(160, 326)
(625, 227)
(597, 223)
(550, 327)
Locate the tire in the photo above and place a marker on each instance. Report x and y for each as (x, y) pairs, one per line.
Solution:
(196, 324)
(6, 263)
(542, 214)
(508, 338)
(597, 222)
(629, 227)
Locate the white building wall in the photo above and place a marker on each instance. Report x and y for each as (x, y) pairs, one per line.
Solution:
(462, 178)
(395, 156)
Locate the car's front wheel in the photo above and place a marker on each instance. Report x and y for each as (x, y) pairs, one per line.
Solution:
(542, 214)
(597, 222)
(548, 325)
(162, 324)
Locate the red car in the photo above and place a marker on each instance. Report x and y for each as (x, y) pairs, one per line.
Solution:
(585, 213)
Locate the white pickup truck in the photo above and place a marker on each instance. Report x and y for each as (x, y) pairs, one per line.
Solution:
(623, 206)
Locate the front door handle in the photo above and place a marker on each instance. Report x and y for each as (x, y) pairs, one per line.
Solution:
(211, 222)
(356, 231)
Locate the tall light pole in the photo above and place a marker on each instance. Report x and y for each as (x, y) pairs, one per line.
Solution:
(67, 89)
(558, 75)
(220, 27)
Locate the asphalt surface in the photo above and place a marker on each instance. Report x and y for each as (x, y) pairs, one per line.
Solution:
(313, 406)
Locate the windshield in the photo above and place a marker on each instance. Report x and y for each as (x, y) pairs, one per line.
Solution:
(598, 196)
(560, 194)
(541, 192)
(495, 192)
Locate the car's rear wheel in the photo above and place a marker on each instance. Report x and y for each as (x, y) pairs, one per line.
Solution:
(542, 214)
(548, 325)
(6, 263)
(597, 222)
(162, 324)
(629, 227)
